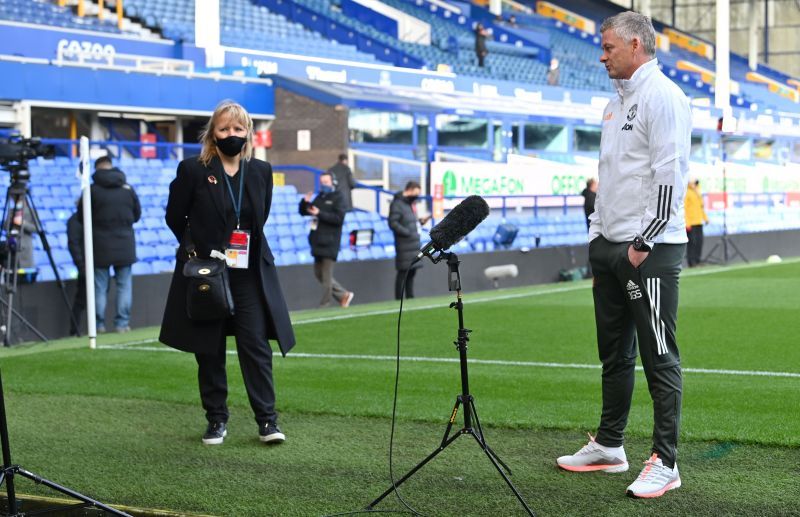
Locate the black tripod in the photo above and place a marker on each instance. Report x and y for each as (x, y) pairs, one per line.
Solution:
(725, 242)
(9, 471)
(18, 203)
(465, 399)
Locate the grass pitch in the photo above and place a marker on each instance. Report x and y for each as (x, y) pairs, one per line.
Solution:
(122, 423)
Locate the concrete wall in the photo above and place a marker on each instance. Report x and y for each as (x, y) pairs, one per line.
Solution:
(327, 124)
(372, 281)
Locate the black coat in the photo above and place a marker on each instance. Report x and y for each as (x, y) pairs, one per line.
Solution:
(75, 239)
(588, 202)
(196, 202)
(115, 207)
(403, 222)
(325, 240)
(345, 182)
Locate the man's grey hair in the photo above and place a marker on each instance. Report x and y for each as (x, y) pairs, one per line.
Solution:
(629, 25)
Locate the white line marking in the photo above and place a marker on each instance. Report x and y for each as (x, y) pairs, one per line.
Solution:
(467, 299)
(490, 298)
(500, 362)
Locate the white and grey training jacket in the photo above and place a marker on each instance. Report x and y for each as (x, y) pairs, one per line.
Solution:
(644, 160)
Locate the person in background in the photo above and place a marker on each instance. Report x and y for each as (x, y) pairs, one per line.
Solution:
(20, 222)
(695, 219)
(589, 195)
(405, 225)
(115, 208)
(75, 246)
(217, 199)
(554, 73)
(480, 43)
(344, 181)
(327, 218)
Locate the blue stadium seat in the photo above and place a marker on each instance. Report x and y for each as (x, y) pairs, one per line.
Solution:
(286, 244)
(146, 252)
(142, 268)
(162, 266)
(304, 257)
(347, 255)
(147, 237)
(45, 273)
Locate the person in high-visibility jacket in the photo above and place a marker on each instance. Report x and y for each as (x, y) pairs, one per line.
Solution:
(695, 219)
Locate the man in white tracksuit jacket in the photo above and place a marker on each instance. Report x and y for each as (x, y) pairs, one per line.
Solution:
(637, 243)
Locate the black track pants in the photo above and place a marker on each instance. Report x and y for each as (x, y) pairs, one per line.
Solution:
(638, 302)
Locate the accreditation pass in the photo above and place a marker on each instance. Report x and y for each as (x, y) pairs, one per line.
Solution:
(238, 251)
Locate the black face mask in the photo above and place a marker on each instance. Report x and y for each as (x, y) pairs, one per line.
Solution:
(232, 145)
(412, 199)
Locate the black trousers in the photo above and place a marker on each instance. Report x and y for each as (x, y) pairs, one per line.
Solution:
(255, 355)
(631, 303)
(398, 283)
(694, 249)
(78, 303)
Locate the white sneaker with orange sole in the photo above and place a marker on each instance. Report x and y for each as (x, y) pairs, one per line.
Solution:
(594, 457)
(655, 479)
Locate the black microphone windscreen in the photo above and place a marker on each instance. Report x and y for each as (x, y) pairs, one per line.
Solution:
(461, 220)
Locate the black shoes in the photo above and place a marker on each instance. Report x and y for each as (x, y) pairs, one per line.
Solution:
(270, 433)
(215, 433)
(267, 433)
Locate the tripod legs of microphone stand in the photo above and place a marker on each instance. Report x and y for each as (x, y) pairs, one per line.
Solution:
(725, 242)
(477, 433)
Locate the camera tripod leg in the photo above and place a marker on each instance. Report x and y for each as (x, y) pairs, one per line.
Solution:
(22, 319)
(482, 439)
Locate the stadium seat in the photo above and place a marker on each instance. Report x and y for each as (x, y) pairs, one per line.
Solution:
(142, 268)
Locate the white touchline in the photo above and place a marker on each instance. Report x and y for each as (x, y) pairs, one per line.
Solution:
(488, 299)
(496, 362)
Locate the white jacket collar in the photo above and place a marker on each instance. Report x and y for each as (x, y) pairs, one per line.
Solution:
(641, 74)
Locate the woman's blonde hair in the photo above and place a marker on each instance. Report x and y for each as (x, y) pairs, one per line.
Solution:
(235, 111)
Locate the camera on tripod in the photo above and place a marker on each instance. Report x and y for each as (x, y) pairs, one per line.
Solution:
(15, 151)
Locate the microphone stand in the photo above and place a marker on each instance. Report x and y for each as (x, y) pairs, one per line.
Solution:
(472, 424)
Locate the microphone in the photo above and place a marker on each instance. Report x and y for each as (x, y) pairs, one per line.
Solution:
(461, 220)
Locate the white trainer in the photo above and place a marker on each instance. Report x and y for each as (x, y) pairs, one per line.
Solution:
(655, 479)
(593, 457)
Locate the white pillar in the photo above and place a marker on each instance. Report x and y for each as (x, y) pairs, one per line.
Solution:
(752, 36)
(96, 132)
(179, 137)
(207, 31)
(644, 7)
(23, 116)
(88, 246)
(496, 6)
(722, 84)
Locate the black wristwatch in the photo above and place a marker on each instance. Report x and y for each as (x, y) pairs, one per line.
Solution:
(640, 245)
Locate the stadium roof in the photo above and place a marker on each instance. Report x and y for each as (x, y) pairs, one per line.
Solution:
(409, 99)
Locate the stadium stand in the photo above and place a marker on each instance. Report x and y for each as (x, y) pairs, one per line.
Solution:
(56, 190)
(244, 25)
(47, 13)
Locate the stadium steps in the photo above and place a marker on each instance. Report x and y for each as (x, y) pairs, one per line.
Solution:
(109, 13)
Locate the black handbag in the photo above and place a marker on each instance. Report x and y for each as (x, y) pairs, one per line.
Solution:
(208, 292)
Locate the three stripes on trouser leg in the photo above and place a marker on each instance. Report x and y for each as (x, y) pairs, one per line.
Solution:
(656, 323)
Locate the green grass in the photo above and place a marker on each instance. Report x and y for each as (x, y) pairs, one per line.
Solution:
(123, 424)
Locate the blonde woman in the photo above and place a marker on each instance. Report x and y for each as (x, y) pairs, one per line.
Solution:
(219, 200)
